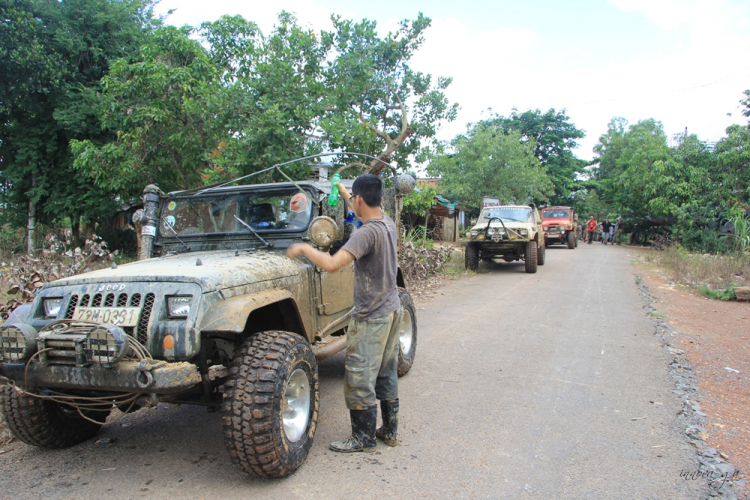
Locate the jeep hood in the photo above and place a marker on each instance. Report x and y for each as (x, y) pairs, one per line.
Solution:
(508, 224)
(217, 270)
(555, 222)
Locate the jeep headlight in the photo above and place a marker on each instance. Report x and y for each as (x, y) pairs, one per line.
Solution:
(474, 232)
(52, 307)
(523, 232)
(491, 231)
(17, 342)
(105, 344)
(561, 228)
(179, 306)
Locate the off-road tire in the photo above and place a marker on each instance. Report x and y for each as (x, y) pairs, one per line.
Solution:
(531, 254)
(45, 423)
(406, 359)
(572, 241)
(541, 255)
(471, 256)
(253, 398)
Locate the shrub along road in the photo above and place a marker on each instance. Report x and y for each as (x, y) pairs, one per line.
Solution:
(547, 385)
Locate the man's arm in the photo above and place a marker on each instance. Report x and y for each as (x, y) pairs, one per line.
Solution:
(327, 262)
(344, 194)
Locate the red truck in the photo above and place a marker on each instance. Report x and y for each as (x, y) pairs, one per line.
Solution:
(560, 226)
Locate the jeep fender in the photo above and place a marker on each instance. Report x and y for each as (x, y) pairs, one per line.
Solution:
(230, 315)
(21, 314)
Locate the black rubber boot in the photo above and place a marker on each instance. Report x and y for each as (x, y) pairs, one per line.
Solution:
(388, 433)
(363, 432)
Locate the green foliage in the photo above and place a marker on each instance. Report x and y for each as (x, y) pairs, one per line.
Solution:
(725, 294)
(418, 202)
(491, 162)
(52, 58)
(374, 96)
(554, 137)
(188, 113)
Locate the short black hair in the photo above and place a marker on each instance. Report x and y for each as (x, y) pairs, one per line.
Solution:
(370, 188)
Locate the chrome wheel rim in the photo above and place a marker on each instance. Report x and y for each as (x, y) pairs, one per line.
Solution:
(406, 333)
(296, 407)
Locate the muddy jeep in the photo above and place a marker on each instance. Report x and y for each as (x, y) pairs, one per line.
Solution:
(560, 226)
(215, 315)
(509, 232)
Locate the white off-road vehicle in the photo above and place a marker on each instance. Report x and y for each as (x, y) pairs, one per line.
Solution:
(509, 232)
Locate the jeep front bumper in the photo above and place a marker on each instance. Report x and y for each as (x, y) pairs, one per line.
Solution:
(164, 378)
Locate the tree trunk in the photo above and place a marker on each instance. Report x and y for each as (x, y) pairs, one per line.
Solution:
(75, 232)
(30, 228)
(31, 222)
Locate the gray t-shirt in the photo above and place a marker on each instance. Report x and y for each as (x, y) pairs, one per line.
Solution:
(376, 264)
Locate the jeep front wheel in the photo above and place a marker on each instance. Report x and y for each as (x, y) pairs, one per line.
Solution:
(271, 404)
(541, 254)
(472, 256)
(571, 240)
(407, 336)
(45, 423)
(531, 255)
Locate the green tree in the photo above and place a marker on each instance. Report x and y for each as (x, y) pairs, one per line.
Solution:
(187, 113)
(376, 103)
(52, 56)
(555, 138)
(490, 162)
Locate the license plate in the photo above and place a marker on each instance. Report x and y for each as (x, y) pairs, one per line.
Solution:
(119, 316)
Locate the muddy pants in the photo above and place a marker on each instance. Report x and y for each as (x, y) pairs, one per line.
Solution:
(372, 360)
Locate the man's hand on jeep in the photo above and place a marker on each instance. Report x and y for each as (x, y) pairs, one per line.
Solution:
(325, 261)
(296, 249)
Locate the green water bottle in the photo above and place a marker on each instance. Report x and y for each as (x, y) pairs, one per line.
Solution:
(333, 199)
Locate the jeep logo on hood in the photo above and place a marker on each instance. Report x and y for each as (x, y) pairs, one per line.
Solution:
(111, 288)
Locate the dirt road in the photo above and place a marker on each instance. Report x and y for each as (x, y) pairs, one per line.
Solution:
(549, 385)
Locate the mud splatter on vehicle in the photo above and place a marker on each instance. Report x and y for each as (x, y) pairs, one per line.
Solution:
(214, 314)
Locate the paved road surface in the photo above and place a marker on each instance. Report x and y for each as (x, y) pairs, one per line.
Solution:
(542, 386)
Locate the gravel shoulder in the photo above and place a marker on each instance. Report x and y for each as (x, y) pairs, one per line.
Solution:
(710, 341)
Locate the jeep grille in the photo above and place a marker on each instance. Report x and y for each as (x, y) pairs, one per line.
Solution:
(148, 305)
(123, 300)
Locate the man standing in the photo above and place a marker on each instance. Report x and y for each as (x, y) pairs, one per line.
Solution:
(591, 227)
(606, 231)
(372, 336)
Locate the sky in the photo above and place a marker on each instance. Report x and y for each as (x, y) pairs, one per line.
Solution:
(685, 63)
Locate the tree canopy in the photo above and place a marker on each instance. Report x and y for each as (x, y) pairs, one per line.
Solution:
(53, 56)
(489, 161)
(187, 113)
(554, 139)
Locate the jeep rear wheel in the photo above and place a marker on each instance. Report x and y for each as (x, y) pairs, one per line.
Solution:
(571, 240)
(472, 256)
(541, 255)
(45, 423)
(407, 336)
(271, 404)
(531, 255)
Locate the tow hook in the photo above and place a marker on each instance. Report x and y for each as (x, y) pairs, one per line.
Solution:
(144, 378)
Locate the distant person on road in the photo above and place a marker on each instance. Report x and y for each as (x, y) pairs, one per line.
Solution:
(606, 231)
(591, 227)
(372, 342)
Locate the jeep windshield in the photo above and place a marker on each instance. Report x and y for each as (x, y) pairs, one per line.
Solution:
(285, 210)
(515, 214)
(558, 213)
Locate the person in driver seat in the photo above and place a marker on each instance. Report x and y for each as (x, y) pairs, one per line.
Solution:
(299, 210)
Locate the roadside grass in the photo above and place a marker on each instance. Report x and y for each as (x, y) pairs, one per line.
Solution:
(455, 267)
(713, 276)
